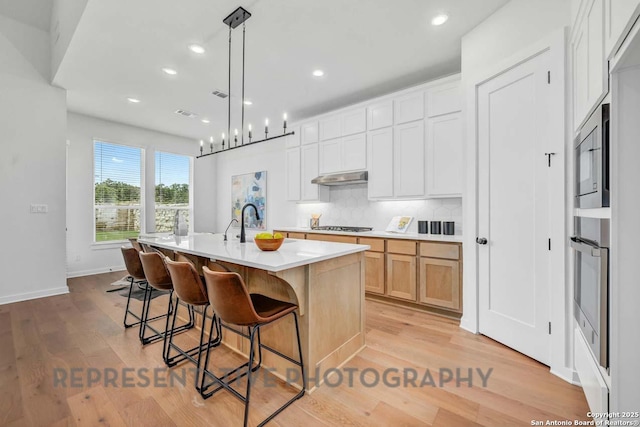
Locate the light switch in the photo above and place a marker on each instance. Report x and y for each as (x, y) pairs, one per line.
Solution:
(36, 208)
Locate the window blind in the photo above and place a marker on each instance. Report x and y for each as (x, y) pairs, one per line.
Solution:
(172, 180)
(117, 191)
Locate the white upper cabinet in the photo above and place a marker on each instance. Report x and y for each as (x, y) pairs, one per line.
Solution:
(409, 108)
(380, 115)
(293, 140)
(343, 154)
(292, 173)
(380, 163)
(309, 133)
(590, 68)
(330, 156)
(330, 128)
(444, 99)
(408, 156)
(354, 152)
(619, 16)
(354, 122)
(309, 170)
(444, 156)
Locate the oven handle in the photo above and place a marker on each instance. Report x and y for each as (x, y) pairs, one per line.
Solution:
(578, 245)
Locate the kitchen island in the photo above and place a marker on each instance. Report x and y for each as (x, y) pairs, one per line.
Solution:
(325, 279)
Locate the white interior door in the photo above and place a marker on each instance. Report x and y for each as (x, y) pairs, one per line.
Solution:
(513, 208)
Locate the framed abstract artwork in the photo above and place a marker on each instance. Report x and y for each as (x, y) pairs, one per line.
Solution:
(250, 188)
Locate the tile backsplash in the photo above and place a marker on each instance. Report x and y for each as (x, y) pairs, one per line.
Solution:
(349, 205)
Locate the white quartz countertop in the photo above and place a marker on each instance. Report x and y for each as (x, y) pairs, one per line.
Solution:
(381, 234)
(292, 253)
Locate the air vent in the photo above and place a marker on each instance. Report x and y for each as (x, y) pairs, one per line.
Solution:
(186, 113)
(220, 94)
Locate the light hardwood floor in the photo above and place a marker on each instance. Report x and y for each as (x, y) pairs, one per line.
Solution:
(83, 330)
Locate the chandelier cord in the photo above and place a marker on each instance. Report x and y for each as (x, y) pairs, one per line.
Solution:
(243, 49)
(229, 93)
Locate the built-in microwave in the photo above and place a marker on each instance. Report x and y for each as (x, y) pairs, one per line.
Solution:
(592, 161)
(591, 284)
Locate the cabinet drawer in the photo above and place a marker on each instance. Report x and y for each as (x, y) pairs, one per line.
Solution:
(401, 247)
(377, 245)
(440, 250)
(296, 235)
(332, 238)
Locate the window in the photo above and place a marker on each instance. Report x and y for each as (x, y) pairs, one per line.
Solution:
(117, 178)
(173, 174)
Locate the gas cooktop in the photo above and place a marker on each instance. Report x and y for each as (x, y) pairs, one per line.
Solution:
(342, 228)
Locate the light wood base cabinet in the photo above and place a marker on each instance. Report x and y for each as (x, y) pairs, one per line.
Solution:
(439, 283)
(374, 272)
(401, 276)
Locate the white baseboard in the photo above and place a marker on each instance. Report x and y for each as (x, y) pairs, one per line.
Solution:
(468, 326)
(567, 374)
(80, 273)
(33, 295)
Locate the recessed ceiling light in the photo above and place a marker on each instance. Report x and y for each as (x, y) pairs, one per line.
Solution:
(196, 48)
(247, 102)
(207, 121)
(439, 19)
(318, 73)
(133, 100)
(170, 71)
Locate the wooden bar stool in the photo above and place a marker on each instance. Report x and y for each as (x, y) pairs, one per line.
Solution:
(233, 304)
(158, 277)
(190, 290)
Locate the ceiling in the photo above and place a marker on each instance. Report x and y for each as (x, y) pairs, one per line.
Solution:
(36, 13)
(366, 48)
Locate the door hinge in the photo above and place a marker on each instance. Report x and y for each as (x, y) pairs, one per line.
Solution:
(549, 244)
(549, 328)
(548, 77)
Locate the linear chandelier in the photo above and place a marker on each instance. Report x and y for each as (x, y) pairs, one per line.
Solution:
(237, 17)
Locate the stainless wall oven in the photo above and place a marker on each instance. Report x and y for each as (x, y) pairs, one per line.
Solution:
(591, 283)
(592, 161)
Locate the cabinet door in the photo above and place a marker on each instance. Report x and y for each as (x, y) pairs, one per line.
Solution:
(354, 122)
(589, 65)
(293, 140)
(409, 108)
(408, 154)
(444, 99)
(374, 272)
(330, 128)
(309, 162)
(309, 133)
(444, 156)
(619, 16)
(401, 276)
(354, 152)
(330, 156)
(292, 173)
(380, 115)
(380, 163)
(440, 283)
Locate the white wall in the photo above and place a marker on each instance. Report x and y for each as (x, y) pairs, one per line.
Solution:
(32, 139)
(515, 27)
(65, 17)
(83, 256)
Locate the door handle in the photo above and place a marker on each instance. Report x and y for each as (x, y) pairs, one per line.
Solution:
(481, 240)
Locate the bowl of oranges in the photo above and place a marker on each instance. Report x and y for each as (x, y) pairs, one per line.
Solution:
(268, 241)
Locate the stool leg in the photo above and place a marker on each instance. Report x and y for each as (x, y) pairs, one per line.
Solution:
(165, 356)
(126, 310)
(145, 313)
(250, 371)
(304, 378)
(204, 322)
(173, 325)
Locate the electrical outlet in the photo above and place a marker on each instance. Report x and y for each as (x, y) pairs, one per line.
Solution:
(36, 208)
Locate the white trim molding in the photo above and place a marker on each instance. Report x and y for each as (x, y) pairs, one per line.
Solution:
(34, 295)
(81, 273)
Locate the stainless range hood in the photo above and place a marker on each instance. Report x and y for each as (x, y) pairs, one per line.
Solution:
(345, 178)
